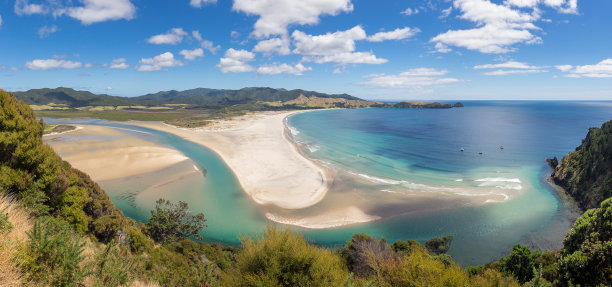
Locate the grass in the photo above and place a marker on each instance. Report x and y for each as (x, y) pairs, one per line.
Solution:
(112, 115)
(13, 243)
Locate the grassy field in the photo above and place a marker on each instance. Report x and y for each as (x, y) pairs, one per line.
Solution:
(112, 115)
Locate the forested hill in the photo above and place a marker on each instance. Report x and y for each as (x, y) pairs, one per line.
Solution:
(69, 98)
(586, 173)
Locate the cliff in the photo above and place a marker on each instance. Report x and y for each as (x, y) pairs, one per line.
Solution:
(586, 173)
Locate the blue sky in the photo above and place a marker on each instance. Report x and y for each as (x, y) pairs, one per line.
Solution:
(391, 50)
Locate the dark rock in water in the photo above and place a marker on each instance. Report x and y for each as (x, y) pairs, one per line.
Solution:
(552, 162)
(458, 105)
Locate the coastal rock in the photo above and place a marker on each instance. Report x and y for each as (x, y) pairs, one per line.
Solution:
(458, 105)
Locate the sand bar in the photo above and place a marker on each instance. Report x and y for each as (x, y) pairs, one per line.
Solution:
(267, 165)
(105, 153)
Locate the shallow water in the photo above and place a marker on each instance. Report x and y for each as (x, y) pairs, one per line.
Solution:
(382, 157)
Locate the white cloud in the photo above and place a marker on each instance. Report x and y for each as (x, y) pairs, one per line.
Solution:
(446, 12)
(506, 65)
(347, 58)
(200, 3)
(274, 69)
(441, 48)
(109, 88)
(397, 34)
(498, 27)
(119, 64)
(510, 68)
(564, 68)
(0, 21)
(192, 54)
(49, 64)
(235, 34)
(159, 62)
(22, 7)
(327, 44)
(276, 15)
(95, 11)
(45, 31)
(172, 37)
(235, 61)
(419, 77)
(563, 6)
(274, 45)
(602, 69)
(513, 72)
(410, 11)
(206, 44)
(88, 65)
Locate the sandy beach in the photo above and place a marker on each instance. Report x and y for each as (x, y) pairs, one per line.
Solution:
(105, 153)
(267, 165)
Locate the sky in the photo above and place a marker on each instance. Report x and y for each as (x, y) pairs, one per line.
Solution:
(384, 50)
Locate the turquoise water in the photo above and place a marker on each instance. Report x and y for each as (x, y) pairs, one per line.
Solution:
(381, 158)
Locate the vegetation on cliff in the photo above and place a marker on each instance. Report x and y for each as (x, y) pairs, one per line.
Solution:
(586, 173)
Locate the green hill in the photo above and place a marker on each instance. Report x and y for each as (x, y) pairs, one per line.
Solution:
(70, 98)
(586, 173)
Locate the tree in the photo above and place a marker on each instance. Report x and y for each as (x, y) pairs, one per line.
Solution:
(519, 263)
(439, 245)
(173, 222)
(586, 257)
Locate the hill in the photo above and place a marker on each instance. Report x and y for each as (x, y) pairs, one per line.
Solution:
(67, 97)
(586, 173)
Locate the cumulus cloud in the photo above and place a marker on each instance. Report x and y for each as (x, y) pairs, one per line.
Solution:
(159, 62)
(563, 6)
(119, 64)
(273, 45)
(235, 61)
(347, 58)
(0, 21)
(200, 3)
(397, 34)
(273, 69)
(419, 77)
(276, 15)
(91, 11)
(602, 69)
(510, 68)
(499, 27)
(192, 54)
(410, 11)
(446, 12)
(49, 64)
(206, 44)
(45, 31)
(172, 37)
(22, 7)
(94, 11)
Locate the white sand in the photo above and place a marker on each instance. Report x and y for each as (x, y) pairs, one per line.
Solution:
(267, 165)
(328, 219)
(115, 155)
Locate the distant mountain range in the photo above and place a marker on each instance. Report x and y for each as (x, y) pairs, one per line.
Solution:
(258, 97)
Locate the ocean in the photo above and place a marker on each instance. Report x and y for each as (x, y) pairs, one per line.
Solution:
(406, 166)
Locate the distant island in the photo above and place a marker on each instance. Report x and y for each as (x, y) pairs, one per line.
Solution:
(195, 107)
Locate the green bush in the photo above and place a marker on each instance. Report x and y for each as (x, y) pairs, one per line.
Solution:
(439, 245)
(172, 222)
(5, 224)
(112, 267)
(280, 258)
(519, 263)
(55, 253)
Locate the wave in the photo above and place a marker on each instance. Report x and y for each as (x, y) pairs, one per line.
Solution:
(313, 148)
(500, 182)
(293, 130)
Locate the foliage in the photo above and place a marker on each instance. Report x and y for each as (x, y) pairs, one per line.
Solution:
(439, 245)
(112, 268)
(492, 277)
(73, 202)
(172, 222)
(519, 263)
(363, 252)
(280, 258)
(56, 253)
(538, 281)
(5, 224)
(586, 257)
(586, 173)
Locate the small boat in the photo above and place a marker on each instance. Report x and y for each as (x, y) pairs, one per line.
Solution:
(501, 147)
(480, 153)
(462, 150)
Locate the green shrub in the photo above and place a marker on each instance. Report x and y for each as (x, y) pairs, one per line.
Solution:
(112, 267)
(519, 263)
(5, 224)
(280, 258)
(439, 245)
(55, 253)
(172, 222)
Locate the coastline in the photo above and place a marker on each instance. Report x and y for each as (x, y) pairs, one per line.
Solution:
(267, 164)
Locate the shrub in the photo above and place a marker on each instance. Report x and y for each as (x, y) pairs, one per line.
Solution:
(55, 252)
(281, 258)
(363, 252)
(112, 267)
(491, 277)
(519, 263)
(5, 224)
(439, 245)
(172, 222)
